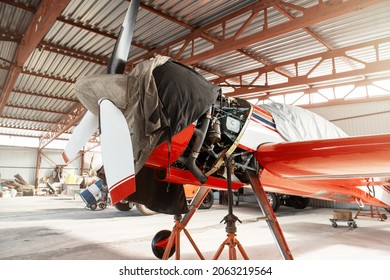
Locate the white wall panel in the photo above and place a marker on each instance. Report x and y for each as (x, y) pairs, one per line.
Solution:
(360, 118)
(18, 160)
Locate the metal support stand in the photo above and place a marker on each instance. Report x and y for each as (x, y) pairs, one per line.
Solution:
(377, 214)
(230, 220)
(175, 237)
(269, 215)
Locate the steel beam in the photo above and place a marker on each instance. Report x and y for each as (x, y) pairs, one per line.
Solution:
(35, 109)
(28, 120)
(201, 32)
(69, 120)
(313, 15)
(5, 35)
(37, 94)
(23, 128)
(19, 5)
(55, 48)
(37, 167)
(338, 101)
(302, 79)
(46, 76)
(43, 20)
(370, 68)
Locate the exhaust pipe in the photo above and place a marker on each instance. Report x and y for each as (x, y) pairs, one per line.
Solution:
(200, 135)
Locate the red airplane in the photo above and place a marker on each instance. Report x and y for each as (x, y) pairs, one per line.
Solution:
(163, 125)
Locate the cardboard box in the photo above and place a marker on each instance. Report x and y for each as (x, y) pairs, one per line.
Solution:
(342, 215)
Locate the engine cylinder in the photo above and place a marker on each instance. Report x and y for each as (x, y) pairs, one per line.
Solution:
(214, 131)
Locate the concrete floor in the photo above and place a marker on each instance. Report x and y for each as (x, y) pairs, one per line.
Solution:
(60, 228)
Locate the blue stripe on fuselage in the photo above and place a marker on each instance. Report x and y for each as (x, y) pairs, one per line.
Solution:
(263, 120)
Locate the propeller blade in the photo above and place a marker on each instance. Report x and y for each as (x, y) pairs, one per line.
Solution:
(117, 151)
(122, 47)
(115, 137)
(82, 133)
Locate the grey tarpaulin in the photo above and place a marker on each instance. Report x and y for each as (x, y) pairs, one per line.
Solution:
(298, 124)
(136, 95)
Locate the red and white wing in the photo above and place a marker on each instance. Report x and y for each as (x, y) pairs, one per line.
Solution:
(362, 156)
(342, 169)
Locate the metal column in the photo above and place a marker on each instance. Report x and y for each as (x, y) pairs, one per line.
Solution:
(37, 167)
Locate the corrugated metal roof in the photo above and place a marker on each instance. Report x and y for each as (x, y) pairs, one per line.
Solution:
(198, 13)
(361, 26)
(14, 19)
(80, 42)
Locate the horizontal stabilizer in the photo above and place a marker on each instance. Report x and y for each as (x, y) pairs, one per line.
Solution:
(80, 136)
(117, 151)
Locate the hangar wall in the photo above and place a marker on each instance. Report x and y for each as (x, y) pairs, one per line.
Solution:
(359, 118)
(22, 160)
(18, 160)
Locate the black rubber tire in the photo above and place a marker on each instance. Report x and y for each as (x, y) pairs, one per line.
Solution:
(208, 201)
(274, 201)
(93, 206)
(297, 202)
(124, 206)
(159, 251)
(301, 202)
(144, 210)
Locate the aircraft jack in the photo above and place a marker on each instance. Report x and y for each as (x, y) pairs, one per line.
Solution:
(174, 240)
(230, 220)
(372, 213)
(231, 240)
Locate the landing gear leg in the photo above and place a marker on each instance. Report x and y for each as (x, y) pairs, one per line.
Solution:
(269, 215)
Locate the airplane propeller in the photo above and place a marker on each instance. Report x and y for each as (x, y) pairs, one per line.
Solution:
(117, 151)
(81, 134)
(115, 137)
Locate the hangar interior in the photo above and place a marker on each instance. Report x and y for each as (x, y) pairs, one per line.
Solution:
(330, 57)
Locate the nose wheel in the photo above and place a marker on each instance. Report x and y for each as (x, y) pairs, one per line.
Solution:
(165, 243)
(160, 242)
